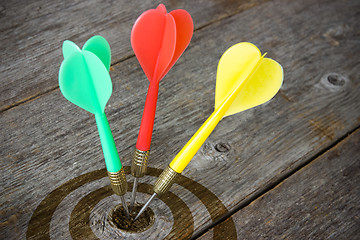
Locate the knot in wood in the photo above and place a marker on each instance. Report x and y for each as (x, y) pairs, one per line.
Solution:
(336, 79)
(334, 82)
(222, 147)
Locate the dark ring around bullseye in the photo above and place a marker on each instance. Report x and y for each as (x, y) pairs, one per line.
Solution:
(39, 225)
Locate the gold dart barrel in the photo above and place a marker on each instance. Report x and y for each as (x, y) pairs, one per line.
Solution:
(139, 163)
(118, 182)
(165, 181)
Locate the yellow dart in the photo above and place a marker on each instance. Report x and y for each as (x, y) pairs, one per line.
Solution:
(245, 79)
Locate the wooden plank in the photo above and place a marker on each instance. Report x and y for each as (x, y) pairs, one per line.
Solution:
(32, 33)
(48, 142)
(321, 201)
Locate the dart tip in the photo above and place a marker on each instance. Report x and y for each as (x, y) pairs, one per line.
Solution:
(133, 194)
(137, 216)
(126, 210)
(144, 207)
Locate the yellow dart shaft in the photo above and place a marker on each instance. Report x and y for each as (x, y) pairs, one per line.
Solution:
(183, 158)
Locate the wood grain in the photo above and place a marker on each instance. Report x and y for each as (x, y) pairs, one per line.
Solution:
(32, 33)
(321, 201)
(47, 141)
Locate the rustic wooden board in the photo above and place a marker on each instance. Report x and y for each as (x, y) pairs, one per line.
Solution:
(48, 144)
(321, 201)
(33, 31)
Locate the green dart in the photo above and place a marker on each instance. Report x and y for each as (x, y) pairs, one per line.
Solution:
(85, 81)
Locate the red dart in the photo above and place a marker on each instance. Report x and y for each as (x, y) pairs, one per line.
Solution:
(158, 39)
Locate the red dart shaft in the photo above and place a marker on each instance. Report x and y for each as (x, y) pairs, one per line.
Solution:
(147, 121)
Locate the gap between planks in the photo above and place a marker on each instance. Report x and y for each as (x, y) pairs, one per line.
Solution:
(54, 88)
(271, 186)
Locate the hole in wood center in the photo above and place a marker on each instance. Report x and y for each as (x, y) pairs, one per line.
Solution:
(118, 218)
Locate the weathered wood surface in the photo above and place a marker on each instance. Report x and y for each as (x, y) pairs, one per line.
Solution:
(48, 142)
(32, 31)
(321, 201)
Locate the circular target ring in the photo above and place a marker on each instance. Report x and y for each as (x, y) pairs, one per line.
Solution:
(39, 225)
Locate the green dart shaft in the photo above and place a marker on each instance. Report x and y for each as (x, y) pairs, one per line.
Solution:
(111, 155)
(112, 161)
